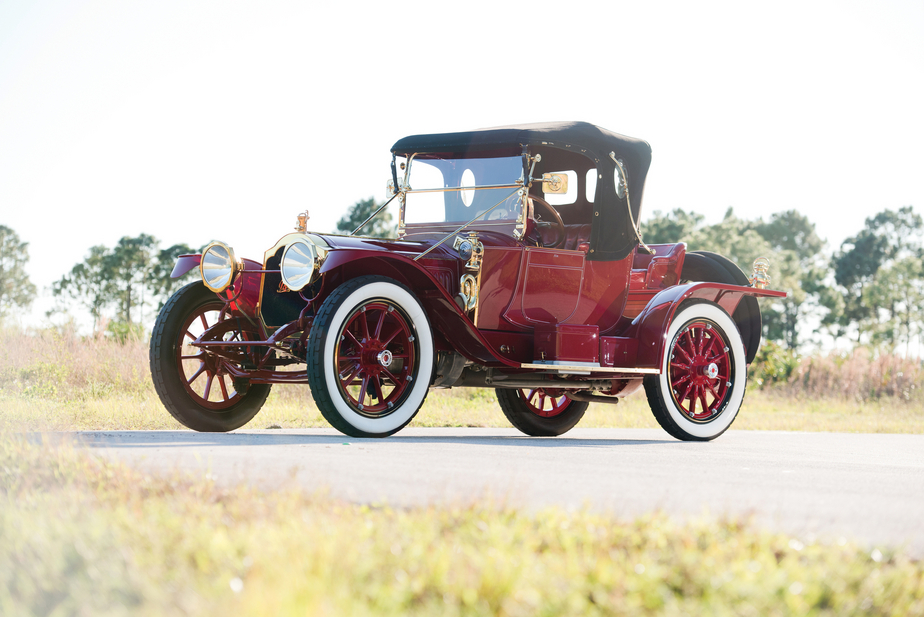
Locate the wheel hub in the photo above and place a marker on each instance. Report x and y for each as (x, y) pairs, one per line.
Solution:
(711, 371)
(385, 357)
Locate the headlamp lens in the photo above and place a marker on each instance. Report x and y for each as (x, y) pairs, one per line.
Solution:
(299, 264)
(218, 267)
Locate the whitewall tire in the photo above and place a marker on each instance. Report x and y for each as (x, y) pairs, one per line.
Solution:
(703, 374)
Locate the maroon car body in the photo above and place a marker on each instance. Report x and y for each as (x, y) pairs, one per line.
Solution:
(487, 284)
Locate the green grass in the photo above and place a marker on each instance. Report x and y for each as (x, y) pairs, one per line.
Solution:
(79, 536)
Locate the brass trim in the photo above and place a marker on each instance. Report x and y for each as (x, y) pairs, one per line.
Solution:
(236, 267)
(468, 291)
(281, 243)
(555, 184)
(450, 189)
(760, 278)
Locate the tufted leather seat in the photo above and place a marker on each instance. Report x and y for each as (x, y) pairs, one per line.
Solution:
(575, 235)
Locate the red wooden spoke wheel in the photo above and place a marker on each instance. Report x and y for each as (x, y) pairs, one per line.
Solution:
(703, 374)
(204, 375)
(193, 384)
(545, 403)
(370, 357)
(700, 370)
(374, 357)
(541, 412)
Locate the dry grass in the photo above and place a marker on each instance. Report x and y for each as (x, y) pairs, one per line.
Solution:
(55, 381)
(859, 376)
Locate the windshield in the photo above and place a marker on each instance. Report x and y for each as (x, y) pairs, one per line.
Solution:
(445, 198)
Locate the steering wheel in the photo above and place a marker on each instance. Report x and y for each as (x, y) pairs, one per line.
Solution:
(559, 224)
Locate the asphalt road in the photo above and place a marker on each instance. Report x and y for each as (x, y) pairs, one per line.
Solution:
(866, 488)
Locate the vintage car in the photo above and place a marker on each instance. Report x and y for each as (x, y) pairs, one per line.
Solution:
(518, 265)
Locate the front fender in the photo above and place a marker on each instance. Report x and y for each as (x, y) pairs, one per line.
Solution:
(246, 300)
(185, 263)
(444, 314)
(650, 326)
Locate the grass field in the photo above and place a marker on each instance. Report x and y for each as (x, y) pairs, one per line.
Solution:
(79, 536)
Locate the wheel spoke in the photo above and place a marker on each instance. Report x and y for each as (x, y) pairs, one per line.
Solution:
(353, 338)
(189, 334)
(686, 393)
(362, 391)
(712, 390)
(713, 341)
(208, 386)
(205, 323)
(702, 399)
(378, 326)
(224, 389)
(683, 351)
(348, 380)
(377, 386)
(691, 352)
(390, 338)
(388, 374)
(365, 322)
(196, 374)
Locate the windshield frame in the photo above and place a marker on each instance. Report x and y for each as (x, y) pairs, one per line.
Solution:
(508, 224)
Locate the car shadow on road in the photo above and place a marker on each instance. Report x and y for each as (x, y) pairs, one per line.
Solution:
(183, 439)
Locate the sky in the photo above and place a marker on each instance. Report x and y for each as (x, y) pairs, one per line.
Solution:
(197, 120)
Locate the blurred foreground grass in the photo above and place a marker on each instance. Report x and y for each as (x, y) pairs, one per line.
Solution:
(80, 536)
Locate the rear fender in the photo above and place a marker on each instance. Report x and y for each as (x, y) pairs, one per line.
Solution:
(650, 326)
(444, 314)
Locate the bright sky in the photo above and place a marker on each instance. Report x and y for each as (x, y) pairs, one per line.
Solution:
(193, 120)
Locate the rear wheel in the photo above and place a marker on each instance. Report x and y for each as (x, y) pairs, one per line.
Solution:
(194, 385)
(703, 374)
(540, 412)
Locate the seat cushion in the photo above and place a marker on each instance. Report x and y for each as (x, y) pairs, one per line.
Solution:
(575, 235)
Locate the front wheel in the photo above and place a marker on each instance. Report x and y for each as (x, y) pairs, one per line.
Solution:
(195, 385)
(540, 412)
(370, 357)
(703, 374)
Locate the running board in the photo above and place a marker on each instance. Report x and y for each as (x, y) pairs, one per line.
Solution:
(559, 368)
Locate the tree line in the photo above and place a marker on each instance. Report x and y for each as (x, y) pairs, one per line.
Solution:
(869, 290)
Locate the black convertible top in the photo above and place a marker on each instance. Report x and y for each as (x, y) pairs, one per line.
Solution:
(612, 237)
